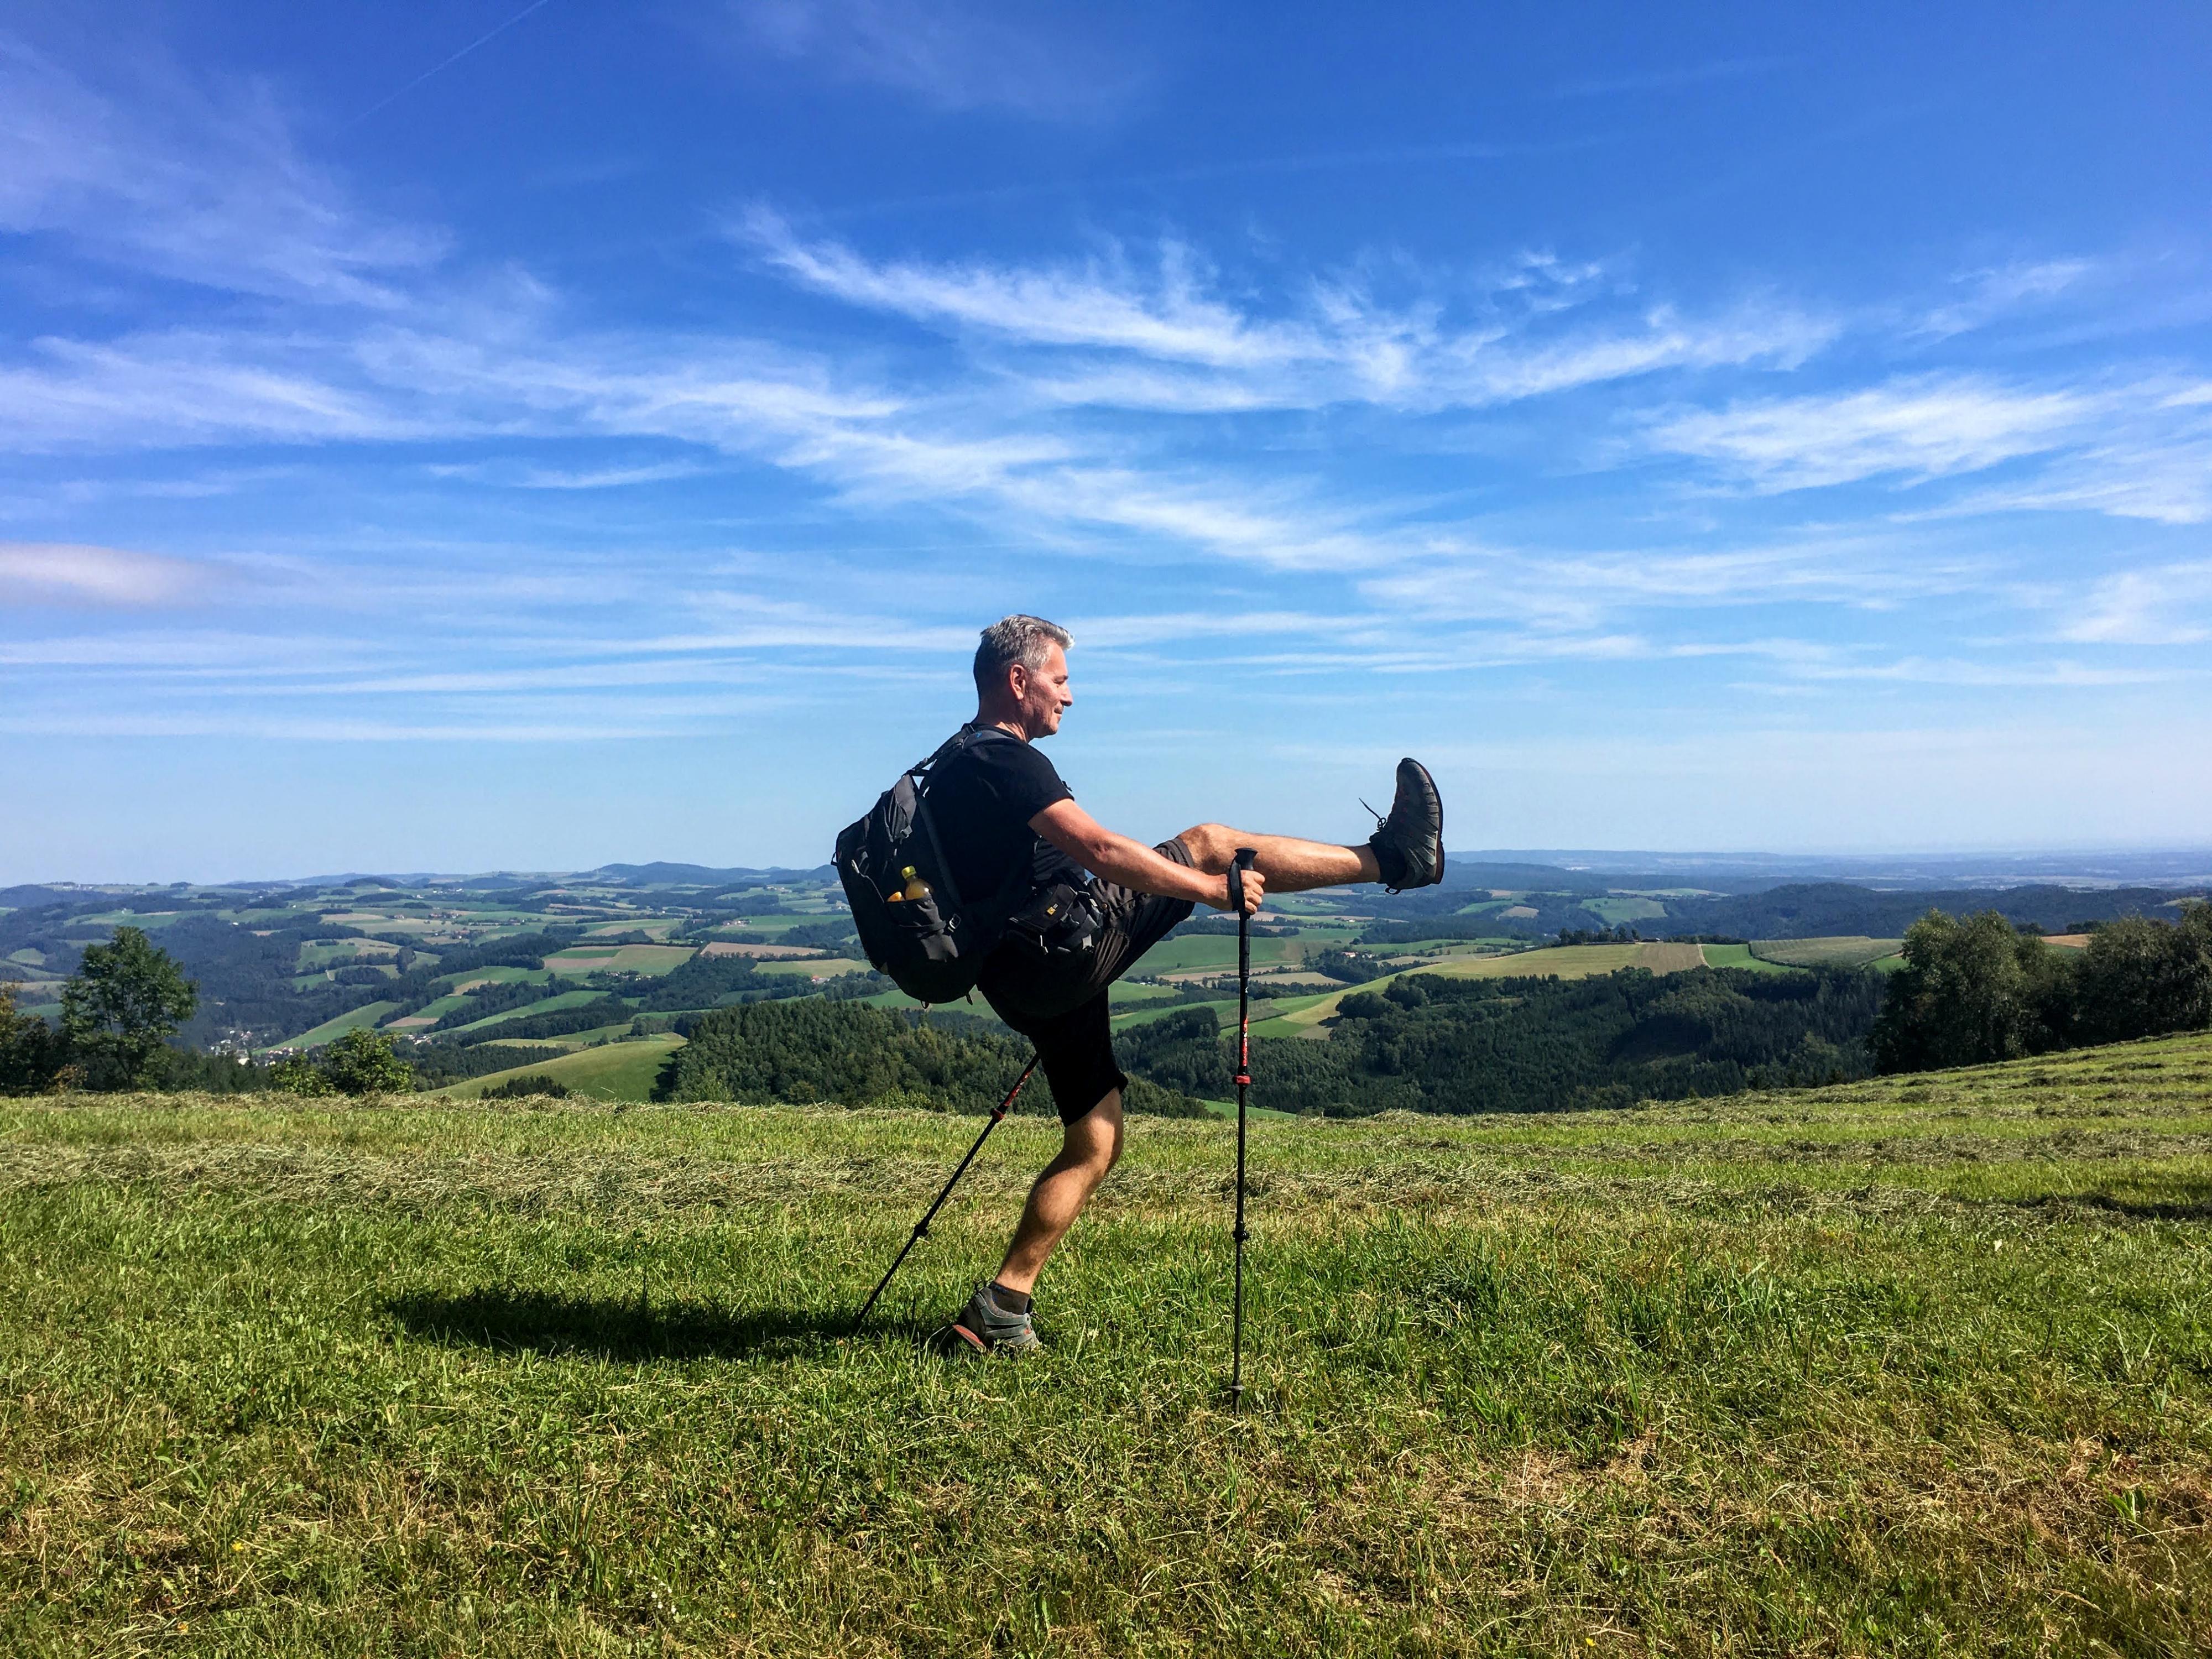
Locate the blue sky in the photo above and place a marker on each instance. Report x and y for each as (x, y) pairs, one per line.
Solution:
(1776, 428)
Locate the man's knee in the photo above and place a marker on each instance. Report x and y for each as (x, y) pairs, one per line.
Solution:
(1095, 1139)
(1212, 846)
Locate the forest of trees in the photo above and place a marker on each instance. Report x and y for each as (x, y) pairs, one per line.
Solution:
(800, 1051)
(1976, 989)
(1427, 1043)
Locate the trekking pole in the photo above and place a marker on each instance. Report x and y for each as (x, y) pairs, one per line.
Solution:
(922, 1227)
(1243, 861)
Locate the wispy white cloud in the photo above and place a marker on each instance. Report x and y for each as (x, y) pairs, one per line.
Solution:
(1197, 351)
(236, 724)
(1673, 80)
(1164, 317)
(33, 572)
(1983, 296)
(1581, 591)
(509, 475)
(188, 387)
(177, 180)
(2160, 476)
(1053, 63)
(2165, 605)
(1920, 429)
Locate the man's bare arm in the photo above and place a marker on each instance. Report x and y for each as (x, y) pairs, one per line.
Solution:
(1133, 863)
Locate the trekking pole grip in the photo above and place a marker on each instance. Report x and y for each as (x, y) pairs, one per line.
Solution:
(1245, 859)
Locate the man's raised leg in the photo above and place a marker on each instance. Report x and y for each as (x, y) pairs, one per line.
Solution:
(1291, 865)
(1406, 849)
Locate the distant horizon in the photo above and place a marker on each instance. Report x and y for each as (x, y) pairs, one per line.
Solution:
(2154, 866)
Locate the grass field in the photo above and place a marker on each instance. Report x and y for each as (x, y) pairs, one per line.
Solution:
(1143, 1013)
(612, 1072)
(650, 959)
(331, 1030)
(1216, 953)
(567, 1040)
(811, 968)
(1741, 955)
(1922, 1366)
(1846, 951)
(553, 1005)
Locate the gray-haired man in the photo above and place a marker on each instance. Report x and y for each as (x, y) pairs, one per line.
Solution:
(1098, 901)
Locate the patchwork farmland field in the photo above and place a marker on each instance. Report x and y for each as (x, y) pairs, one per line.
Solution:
(1914, 1366)
(618, 1071)
(648, 959)
(1298, 1019)
(1854, 951)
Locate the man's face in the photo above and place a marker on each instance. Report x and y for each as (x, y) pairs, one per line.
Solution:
(1042, 694)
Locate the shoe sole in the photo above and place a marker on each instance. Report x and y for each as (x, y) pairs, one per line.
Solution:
(1436, 795)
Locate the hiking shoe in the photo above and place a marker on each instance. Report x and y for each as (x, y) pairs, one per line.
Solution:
(984, 1327)
(1409, 844)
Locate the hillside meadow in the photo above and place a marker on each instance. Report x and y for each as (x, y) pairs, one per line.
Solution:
(1916, 1366)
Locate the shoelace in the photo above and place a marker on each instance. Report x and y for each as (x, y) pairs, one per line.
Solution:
(1381, 824)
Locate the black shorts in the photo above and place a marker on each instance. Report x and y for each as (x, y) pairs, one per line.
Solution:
(1063, 1008)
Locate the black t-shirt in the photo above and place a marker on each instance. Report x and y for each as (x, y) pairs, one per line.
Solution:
(981, 800)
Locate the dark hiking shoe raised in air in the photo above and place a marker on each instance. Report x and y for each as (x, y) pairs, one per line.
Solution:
(984, 1326)
(1409, 844)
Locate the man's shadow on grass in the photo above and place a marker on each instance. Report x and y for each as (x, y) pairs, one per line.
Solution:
(603, 1327)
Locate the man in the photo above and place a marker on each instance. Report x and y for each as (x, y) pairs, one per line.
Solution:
(998, 803)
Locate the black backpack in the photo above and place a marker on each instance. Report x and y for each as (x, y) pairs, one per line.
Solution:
(931, 946)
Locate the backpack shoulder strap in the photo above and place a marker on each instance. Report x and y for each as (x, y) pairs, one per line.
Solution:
(967, 736)
(1018, 880)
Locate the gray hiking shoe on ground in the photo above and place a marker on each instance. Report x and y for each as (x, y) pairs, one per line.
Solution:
(984, 1327)
(1409, 844)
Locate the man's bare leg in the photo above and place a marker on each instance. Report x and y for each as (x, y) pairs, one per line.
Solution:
(1088, 1151)
(1291, 865)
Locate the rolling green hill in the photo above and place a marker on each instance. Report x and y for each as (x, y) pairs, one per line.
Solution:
(612, 1072)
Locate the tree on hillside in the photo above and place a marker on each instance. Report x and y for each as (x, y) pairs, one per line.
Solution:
(125, 1001)
(1970, 992)
(2140, 978)
(362, 1062)
(30, 1049)
(295, 1074)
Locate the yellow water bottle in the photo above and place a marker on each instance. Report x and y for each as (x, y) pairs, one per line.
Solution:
(916, 887)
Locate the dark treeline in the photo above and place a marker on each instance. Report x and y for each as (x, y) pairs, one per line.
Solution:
(561, 1022)
(1813, 910)
(1352, 967)
(1431, 1043)
(1793, 910)
(497, 997)
(1206, 923)
(437, 1064)
(707, 982)
(1408, 933)
(1433, 913)
(833, 935)
(1976, 989)
(800, 1051)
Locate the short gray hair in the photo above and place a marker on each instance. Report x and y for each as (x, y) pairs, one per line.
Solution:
(1016, 639)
